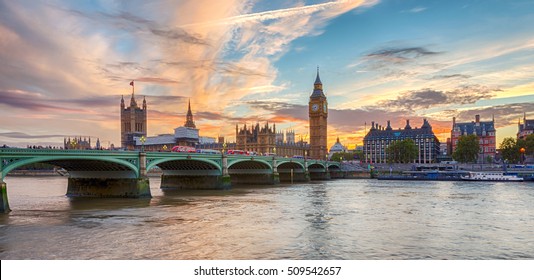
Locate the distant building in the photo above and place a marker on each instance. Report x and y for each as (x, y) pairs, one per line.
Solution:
(444, 152)
(133, 122)
(264, 140)
(484, 130)
(378, 139)
(206, 140)
(186, 135)
(526, 128)
(337, 148)
(77, 143)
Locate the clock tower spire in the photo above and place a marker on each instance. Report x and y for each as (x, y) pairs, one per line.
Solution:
(318, 116)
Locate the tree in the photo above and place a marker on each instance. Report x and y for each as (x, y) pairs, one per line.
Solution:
(510, 149)
(529, 145)
(404, 151)
(467, 149)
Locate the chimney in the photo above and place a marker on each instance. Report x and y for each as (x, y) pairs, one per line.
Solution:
(477, 118)
(407, 125)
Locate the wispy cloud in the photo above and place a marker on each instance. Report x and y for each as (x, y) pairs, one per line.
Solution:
(426, 98)
(301, 11)
(417, 10)
(400, 55)
(22, 135)
(451, 76)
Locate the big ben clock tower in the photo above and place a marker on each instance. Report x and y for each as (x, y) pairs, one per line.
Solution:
(318, 113)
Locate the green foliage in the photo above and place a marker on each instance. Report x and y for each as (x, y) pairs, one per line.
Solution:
(467, 149)
(529, 145)
(510, 149)
(404, 151)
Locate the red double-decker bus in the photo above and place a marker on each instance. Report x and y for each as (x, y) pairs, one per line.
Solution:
(183, 149)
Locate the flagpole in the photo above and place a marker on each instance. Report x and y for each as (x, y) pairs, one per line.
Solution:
(133, 87)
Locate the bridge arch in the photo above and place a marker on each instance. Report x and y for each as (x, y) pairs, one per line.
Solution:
(251, 171)
(249, 164)
(186, 164)
(316, 165)
(288, 165)
(80, 163)
(334, 167)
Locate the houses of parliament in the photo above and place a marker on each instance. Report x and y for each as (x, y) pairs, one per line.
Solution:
(262, 139)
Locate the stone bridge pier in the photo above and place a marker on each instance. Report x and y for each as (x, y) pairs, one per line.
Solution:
(4, 204)
(336, 172)
(318, 171)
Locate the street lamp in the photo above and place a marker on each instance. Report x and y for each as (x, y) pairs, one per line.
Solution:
(223, 147)
(142, 139)
(522, 155)
(73, 143)
(274, 151)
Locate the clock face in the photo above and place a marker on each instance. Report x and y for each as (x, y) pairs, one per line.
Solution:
(315, 107)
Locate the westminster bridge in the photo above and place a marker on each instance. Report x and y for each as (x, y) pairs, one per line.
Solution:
(102, 173)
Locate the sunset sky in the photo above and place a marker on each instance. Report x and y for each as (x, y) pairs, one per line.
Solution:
(65, 65)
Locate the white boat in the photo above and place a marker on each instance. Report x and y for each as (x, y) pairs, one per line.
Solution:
(491, 176)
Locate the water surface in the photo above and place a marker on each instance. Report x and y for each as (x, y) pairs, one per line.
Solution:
(338, 219)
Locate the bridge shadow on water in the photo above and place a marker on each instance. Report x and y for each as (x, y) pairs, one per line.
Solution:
(89, 203)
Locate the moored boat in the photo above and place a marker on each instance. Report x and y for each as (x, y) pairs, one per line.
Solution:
(491, 176)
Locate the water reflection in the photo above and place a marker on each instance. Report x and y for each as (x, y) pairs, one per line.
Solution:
(102, 204)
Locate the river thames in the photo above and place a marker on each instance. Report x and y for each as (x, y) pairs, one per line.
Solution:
(337, 219)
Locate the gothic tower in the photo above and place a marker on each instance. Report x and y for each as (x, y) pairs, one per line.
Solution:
(133, 122)
(318, 114)
(189, 118)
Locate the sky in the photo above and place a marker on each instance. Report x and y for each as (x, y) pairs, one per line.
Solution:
(66, 64)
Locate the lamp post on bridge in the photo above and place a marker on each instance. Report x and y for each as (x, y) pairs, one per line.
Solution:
(142, 140)
(73, 144)
(142, 158)
(225, 165)
(276, 176)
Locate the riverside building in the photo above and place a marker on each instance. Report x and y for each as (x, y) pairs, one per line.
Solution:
(378, 139)
(526, 128)
(484, 130)
(186, 135)
(265, 140)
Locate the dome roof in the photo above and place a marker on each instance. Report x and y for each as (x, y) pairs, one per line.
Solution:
(337, 147)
